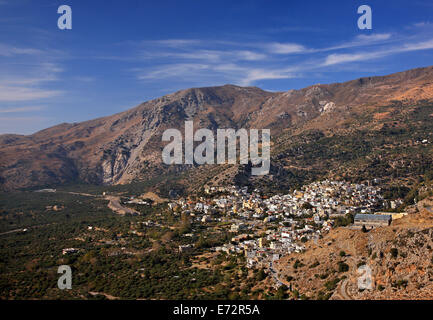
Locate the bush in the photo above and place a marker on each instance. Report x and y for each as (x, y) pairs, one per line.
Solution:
(400, 283)
(298, 264)
(343, 267)
(331, 284)
(261, 275)
(344, 221)
(324, 296)
(282, 292)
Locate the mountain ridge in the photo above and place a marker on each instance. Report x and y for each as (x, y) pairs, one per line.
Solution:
(121, 147)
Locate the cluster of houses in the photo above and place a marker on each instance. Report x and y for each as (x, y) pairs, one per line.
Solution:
(265, 228)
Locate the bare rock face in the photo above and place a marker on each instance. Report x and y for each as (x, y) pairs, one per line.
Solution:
(328, 107)
(123, 147)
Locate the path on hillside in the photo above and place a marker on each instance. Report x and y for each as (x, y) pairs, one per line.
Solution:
(115, 205)
(426, 204)
(84, 194)
(12, 231)
(28, 228)
(343, 291)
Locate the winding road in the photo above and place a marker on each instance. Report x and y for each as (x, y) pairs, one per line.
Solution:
(343, 291)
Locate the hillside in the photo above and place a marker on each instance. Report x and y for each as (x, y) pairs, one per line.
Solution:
(313, 128)
(399, 256)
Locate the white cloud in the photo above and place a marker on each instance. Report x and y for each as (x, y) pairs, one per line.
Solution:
(374, 37)
(333, 59)
(214, 73)
(250, 55)
(208, 61)
(175, 43)
(172, 70)
(263, 74)
(423, 24)
(344, 58)
(9, 51)
(208, 55)
(424, 45)
(22, 109)
(26, 83)
(359, 41)
(285, 48)
(9, 94)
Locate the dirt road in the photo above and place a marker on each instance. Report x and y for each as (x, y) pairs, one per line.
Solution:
(115, 205)
(343, 291)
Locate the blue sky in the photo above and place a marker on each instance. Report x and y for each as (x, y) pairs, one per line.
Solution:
(121, 53)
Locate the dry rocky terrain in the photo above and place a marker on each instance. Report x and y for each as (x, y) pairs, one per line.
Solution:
(400, 258)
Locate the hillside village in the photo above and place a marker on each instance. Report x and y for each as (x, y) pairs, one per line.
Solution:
(260, 228)
(266, 228)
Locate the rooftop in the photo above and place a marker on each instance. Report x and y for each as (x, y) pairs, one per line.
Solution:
(382, 217)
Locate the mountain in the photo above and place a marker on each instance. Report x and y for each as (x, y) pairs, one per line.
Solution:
(323, 118)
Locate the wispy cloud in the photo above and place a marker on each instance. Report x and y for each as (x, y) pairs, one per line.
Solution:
(9, 94)
(373, 37)
(285, 48)
(423, 45)
(24, 80)
(245, 63)
(333, 59)
(22, 109)
(227, 72)
(9, 51)
(172, 70)
(253, 75)
(423, 24)
(175, 43)
(266, 59)
(359, 41)
(336, 58)
(267, 64)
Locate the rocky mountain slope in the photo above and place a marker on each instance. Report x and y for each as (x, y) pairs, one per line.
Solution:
(127, 146)
(400, 259)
